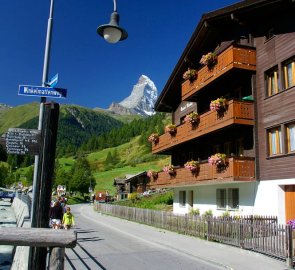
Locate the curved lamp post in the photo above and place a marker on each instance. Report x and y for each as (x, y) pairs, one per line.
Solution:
(112, 32)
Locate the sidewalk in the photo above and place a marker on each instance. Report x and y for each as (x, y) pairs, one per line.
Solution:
(223, 255)
(7, 219)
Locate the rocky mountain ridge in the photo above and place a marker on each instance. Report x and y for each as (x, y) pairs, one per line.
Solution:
(141, 100)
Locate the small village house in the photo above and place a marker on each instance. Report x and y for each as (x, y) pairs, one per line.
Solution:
(131, 183)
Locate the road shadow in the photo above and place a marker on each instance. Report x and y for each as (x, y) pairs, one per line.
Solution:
(89, 239)
(82, 260)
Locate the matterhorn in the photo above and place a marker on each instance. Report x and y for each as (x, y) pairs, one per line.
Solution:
(141, 100)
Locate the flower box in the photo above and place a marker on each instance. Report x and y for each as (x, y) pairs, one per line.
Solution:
(218, 105)
(191, 165)
(171, 129)
(152, 174)
(190, 74)
(209, 59)
(169, 169)
(217, 159)
(192, 118)
(154, 138)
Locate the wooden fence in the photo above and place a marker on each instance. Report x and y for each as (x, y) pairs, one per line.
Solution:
(258, 233)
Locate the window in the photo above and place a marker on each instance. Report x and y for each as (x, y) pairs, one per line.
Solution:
(240, 147)
(221, 198)
(289, 73)
(216, 148)
(291, 137)
(272, 82)
(233, 198)
(228, 148)
(270, 34)
(182, 198)
(275, 141)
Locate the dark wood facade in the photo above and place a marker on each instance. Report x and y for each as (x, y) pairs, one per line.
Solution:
(276, 110)
(251, 38)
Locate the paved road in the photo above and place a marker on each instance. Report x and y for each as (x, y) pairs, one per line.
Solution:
(110, 243)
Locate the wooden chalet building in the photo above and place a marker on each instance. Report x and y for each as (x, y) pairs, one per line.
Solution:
(131, 183)
(254, 70)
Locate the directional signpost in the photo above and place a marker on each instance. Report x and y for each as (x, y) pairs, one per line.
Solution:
(40, 91)
(21, 141)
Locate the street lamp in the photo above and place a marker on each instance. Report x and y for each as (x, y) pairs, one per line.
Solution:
(112, 32)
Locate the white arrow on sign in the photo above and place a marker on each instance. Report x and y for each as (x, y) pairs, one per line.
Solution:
(53, 82)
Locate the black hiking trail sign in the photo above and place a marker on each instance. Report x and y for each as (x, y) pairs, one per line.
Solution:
(21, 141)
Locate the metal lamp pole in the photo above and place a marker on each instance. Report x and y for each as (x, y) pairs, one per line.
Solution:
(36, 183)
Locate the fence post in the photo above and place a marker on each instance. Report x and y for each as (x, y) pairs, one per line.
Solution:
(56, 258)
(289, 248)
(208, 229)
(241, 234)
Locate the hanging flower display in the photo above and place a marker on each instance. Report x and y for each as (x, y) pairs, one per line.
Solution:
(154, 137)
(192, 118)
(192, 165)
(152, 174)
(218, 104)
(171, 128)
(190, 74)
(169, 169)
(209, 59)
(217, 159)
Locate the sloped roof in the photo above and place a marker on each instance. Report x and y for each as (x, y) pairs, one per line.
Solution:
(129, 177)
(221, 25)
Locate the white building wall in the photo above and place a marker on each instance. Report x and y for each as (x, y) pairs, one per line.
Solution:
(256, 198)
(270, 199)
(205, 198)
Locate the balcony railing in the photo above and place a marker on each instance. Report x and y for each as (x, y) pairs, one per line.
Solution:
(237, 169)
(237, 112)
(232, 58)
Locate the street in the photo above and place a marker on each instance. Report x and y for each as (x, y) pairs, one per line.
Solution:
(106, 242)
(104, 246)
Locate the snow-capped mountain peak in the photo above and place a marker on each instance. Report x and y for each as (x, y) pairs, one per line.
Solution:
(142, 98)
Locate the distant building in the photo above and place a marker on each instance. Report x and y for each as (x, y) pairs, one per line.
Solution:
(131, 183)
(61, 190)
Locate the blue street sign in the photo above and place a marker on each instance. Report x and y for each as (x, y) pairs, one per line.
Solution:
(40, 91)
(53, 82)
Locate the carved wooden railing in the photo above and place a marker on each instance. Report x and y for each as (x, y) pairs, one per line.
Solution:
(233, 57)
(237, 112)
(236, 169)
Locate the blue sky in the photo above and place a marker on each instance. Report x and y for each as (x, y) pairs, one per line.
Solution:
(95, 72)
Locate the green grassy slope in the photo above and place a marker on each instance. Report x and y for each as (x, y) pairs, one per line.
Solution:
(131, 162)
(16, 116)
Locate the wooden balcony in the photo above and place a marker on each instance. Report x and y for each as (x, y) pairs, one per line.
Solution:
(237, 169)
(237, 112)
(233, 57)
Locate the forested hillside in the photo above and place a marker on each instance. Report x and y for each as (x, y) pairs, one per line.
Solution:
(76, 125)
(118, 136)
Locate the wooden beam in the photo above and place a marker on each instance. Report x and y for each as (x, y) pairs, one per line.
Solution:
(38, 237)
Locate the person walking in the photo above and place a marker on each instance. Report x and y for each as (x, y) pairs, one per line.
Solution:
(56, 215)
(68, 219)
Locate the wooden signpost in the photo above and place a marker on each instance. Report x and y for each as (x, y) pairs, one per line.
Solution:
(21, 141)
